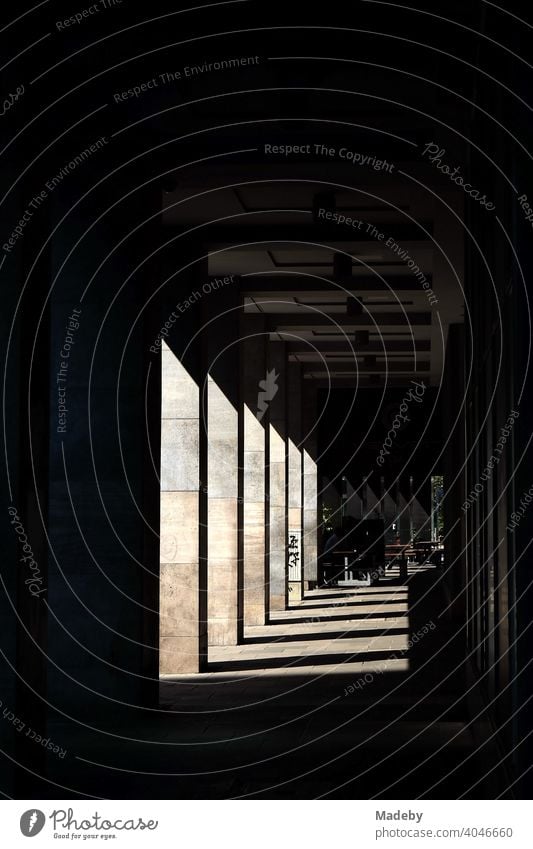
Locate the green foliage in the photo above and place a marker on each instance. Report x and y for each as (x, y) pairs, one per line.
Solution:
(437, 495)
(327, 513)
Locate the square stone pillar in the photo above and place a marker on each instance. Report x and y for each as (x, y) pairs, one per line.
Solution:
(222, 490)
(294, 481)
(257, 392)
(311, 518)
(220, 339)
(277, 516)
(183, 625)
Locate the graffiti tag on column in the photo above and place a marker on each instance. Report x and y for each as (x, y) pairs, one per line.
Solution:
(294, 556)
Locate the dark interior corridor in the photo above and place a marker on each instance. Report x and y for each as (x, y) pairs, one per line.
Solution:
(266, 425)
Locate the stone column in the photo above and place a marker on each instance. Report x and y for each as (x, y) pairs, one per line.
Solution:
(277, 495)
(294, 480)
(257, 392)
(220, 333)
(183, 625)
(30, 407)
(311, 519)
(103, 452)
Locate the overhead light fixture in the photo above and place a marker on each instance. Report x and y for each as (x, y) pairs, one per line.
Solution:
(323, 201)
(342, 267)
(354, 306)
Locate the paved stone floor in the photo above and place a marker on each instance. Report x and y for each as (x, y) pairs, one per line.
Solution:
(349, 694)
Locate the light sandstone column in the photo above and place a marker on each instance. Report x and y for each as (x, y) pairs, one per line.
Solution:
(220, 332)
(257, 392)
(294, 480)
(183, 625)
(277, 491)
(309, 485)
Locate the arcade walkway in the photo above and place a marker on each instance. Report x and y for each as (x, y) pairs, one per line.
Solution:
(327, 700)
